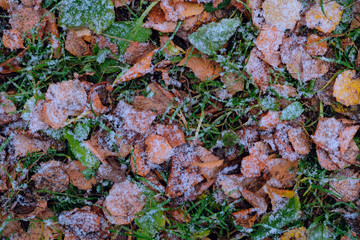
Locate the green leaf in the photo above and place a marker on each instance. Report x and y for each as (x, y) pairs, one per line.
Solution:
(151, 219)
(272, 224)
(319, 231)
(81, 153)
(292, 111)
(97, 15)
(211, 37)
(128, 31)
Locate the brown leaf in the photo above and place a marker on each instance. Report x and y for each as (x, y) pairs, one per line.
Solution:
(12, 39)
(63, 99)
(325, 138)
(138, 161)
(24, 145)
(233, 82)
(139, 69)
(179, 10)
(355, 23)
(283, 145)
(258, 69)
(282, 172)
(347, 184)
(270, 120)
(203, 67)
(346, 135)
(209, 165)
(245, 217)
(316, 45)
(268, 42)
(37, 121)
(51, 176)
(12, 64)
(255, 200)
(254, 164)
(123, 202)
(74, 170)
(106, 43)
(84, 223)
(157, 21)
(257, 15)
(52, 29)
(285, 90)
(76, 45)
(158, 150)
(4, 4)
(173, 134)
(278, 197)
(299, 140)
(136, 51)
(113, 171)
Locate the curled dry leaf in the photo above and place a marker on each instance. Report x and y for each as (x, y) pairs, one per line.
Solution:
(51, 176)
(100, 151)
(124, 201)
(63, 99)
(283, 145)
(156, 20)
(316, 45)
(135, 119)
(74, 170)
(203, 67)
(257, 201)
(327, 23)
(99, 97)
(158, 150)
(12, 39)
(179, 10)
(139, 69)
(347, 185)
(209, 165)
(347, 88)
(136, 51)
(258, 69)
(298, 62)
(84, 223)
(284, 15)
(336, 147)
(245, 217)
(268, 42)
(76, 45)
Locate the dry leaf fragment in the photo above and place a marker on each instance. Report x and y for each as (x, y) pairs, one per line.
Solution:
(285, 90)
(348, 184)
(325, 138)
(299, 140)
(135, 119)
(84, 223)
(173, 134)
(156, 20)
(158, 150)
(74, 170)
(124, 201)
(268, 42)
(24, 145)
(178, 10)
(257, 201)
(258, 69)
(283, 14)
(346, 136)
(6, 105)
(209, 165)
(52, 28)
(137, 51)
(245, 217)
(278, 197)
(203, 67)
(316, 45)
(138, 161)
(270, 120)
(254, 164)
(63, 99)
(233, 82)
(51, 176)
(282, 172)
(315, 17)
(37, 121)
(347, 88)
(324, 159)
(139, 69)
(257, 14)
(76, 45)
(12, 64)
(12, 39)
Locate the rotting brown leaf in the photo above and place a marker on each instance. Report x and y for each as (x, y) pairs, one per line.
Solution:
(158, 150)
(74, 170)
(347, 184)
(12, 39)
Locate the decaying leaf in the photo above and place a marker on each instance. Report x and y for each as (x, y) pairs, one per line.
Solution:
(346, 183)
(316, 45)
(179, 10)
(76, 45)
(282, 172)
(233, 82)
(245, 217)
(285, 90)
(139, 162)
(347, 88)
(158, 150)
(136, 51)
(284, 15)
(52, 177)
(258, 69)
(139, 69)
(299, 140)
(268, 42)
(84, 223)
(7, 109)
(12, 39)
(254, 164)
(24, 145)
(100, 151)
(295, 234)
(74, 170)
(124, 201)
(203, 67)
(270, 120)
(157, 21)
(173, 134)
(210, 164)
(12, 64)
(336, 148)
(327, 23)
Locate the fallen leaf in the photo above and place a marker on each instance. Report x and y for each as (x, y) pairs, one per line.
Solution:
(257, 14)
(203, 67)
(158, 150)
(254, 164)
(84, 223)
(257, 201)
(63, 99)
(355, 23)
(282, 172)
(136, 51)
(51, 176)
(246, 217)
(347, 184)
(139, 69)
(295, 234)
(179, 10)
(346, 136)
(4, 4)
(209, 165)
(24, 145)
(123, 202)
(284, 15)
(76, 45)
(270, 120)
(173, 134)
(138, 161)
(156, 20)
(316, 45)
(12, 39)
(258, 70)
(12, 64)
(233, 82)
(278, 197)
(285, 90)
(121, 3)
(299, 140)
(268, 42)
(347, 88)
(327, 23)
(74, 171)
(52, 29)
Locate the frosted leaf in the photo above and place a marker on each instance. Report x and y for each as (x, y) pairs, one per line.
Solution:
(316, 45)
(347, 88)
(315, 17)
(294, 110)
(97, 15)
(258, 69)
(73, 169)
(173, 134)
(24, 145)
(348, 188)
(139, 163)
(177, 10)
(158, 149)
(211, 37)
(157, 21)
(283, 14)
(124, 201)
(299, 140)
(12, 39)
(76, 45)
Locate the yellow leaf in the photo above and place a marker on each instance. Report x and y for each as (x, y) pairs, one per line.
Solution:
(347, 89)
(295, 234)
